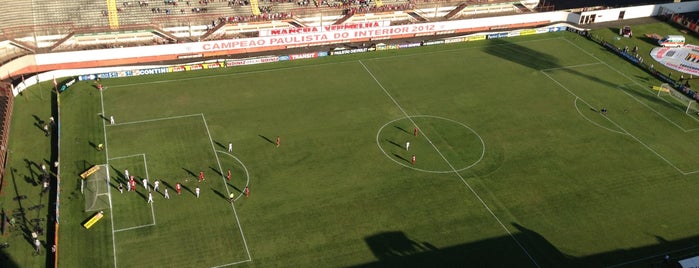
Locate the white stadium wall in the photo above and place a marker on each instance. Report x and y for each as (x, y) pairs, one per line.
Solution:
(309, 36)
(607, 15)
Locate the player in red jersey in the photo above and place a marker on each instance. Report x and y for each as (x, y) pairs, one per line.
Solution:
(247, 191)
(178, 188)
(229, 175)
(412, 160)
(279, 141)
(201, 176)
(132, 183)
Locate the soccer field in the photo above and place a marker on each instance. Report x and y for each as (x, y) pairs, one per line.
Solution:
(514, 164)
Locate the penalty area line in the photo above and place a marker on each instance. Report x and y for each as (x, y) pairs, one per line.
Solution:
(231, 264)
(155, 119)
(134, 227)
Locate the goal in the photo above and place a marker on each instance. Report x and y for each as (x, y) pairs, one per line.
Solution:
(96, 190)
(689, 105)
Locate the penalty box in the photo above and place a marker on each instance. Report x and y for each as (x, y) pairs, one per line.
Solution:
(184, 230)
(632, 109)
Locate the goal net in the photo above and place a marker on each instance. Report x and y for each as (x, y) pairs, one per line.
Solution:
(688, 105)
(96, 190)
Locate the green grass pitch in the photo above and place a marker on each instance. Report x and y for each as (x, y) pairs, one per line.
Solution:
(515, 165)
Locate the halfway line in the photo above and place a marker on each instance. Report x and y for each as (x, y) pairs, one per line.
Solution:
(452, 167)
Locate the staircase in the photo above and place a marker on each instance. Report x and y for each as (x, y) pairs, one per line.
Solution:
(455, 12)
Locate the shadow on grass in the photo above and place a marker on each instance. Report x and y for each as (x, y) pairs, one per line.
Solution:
(38, 120)
(188, 190)
(394, 143)
(401, 129)
(119, 176)
(190, 172)
(265, 138)
(30, 179)
(401, 158)
(233, 186)
(220, 145)
(167, 185)
(219, 194)
(216, 171)
(104, 118)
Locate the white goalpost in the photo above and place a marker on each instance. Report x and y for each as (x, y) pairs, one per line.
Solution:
(690, 106)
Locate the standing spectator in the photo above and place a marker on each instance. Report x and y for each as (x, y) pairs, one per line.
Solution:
(46, 186)
(46, 130)
(197, 190)
(111, 120)
(43, 169)
(37, 246)
(178, 188)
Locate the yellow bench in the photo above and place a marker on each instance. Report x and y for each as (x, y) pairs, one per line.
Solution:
(94, 219)
(89, 172)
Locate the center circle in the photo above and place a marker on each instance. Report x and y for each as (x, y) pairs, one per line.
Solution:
(441, 145)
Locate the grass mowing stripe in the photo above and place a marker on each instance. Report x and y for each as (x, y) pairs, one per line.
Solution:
(156, 119)
(452, 167)
(106, 153)
(632, 136)
(625, 131)
(378, 57)
(628, 78)
(218, 161)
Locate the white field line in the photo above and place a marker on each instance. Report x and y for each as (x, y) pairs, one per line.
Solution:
(106, 152)
(152, 211)
(575, 103)
(656, 112)
(145, 165)
(570, 67)
(247, 175)
(622, 74)
(624, 130)
(134, 227)
(235, 213)
(452, 167)
(155, 119)
(127, 156)
(231, 264)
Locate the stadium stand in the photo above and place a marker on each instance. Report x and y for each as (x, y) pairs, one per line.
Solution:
(6, 103)
(90, 24)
